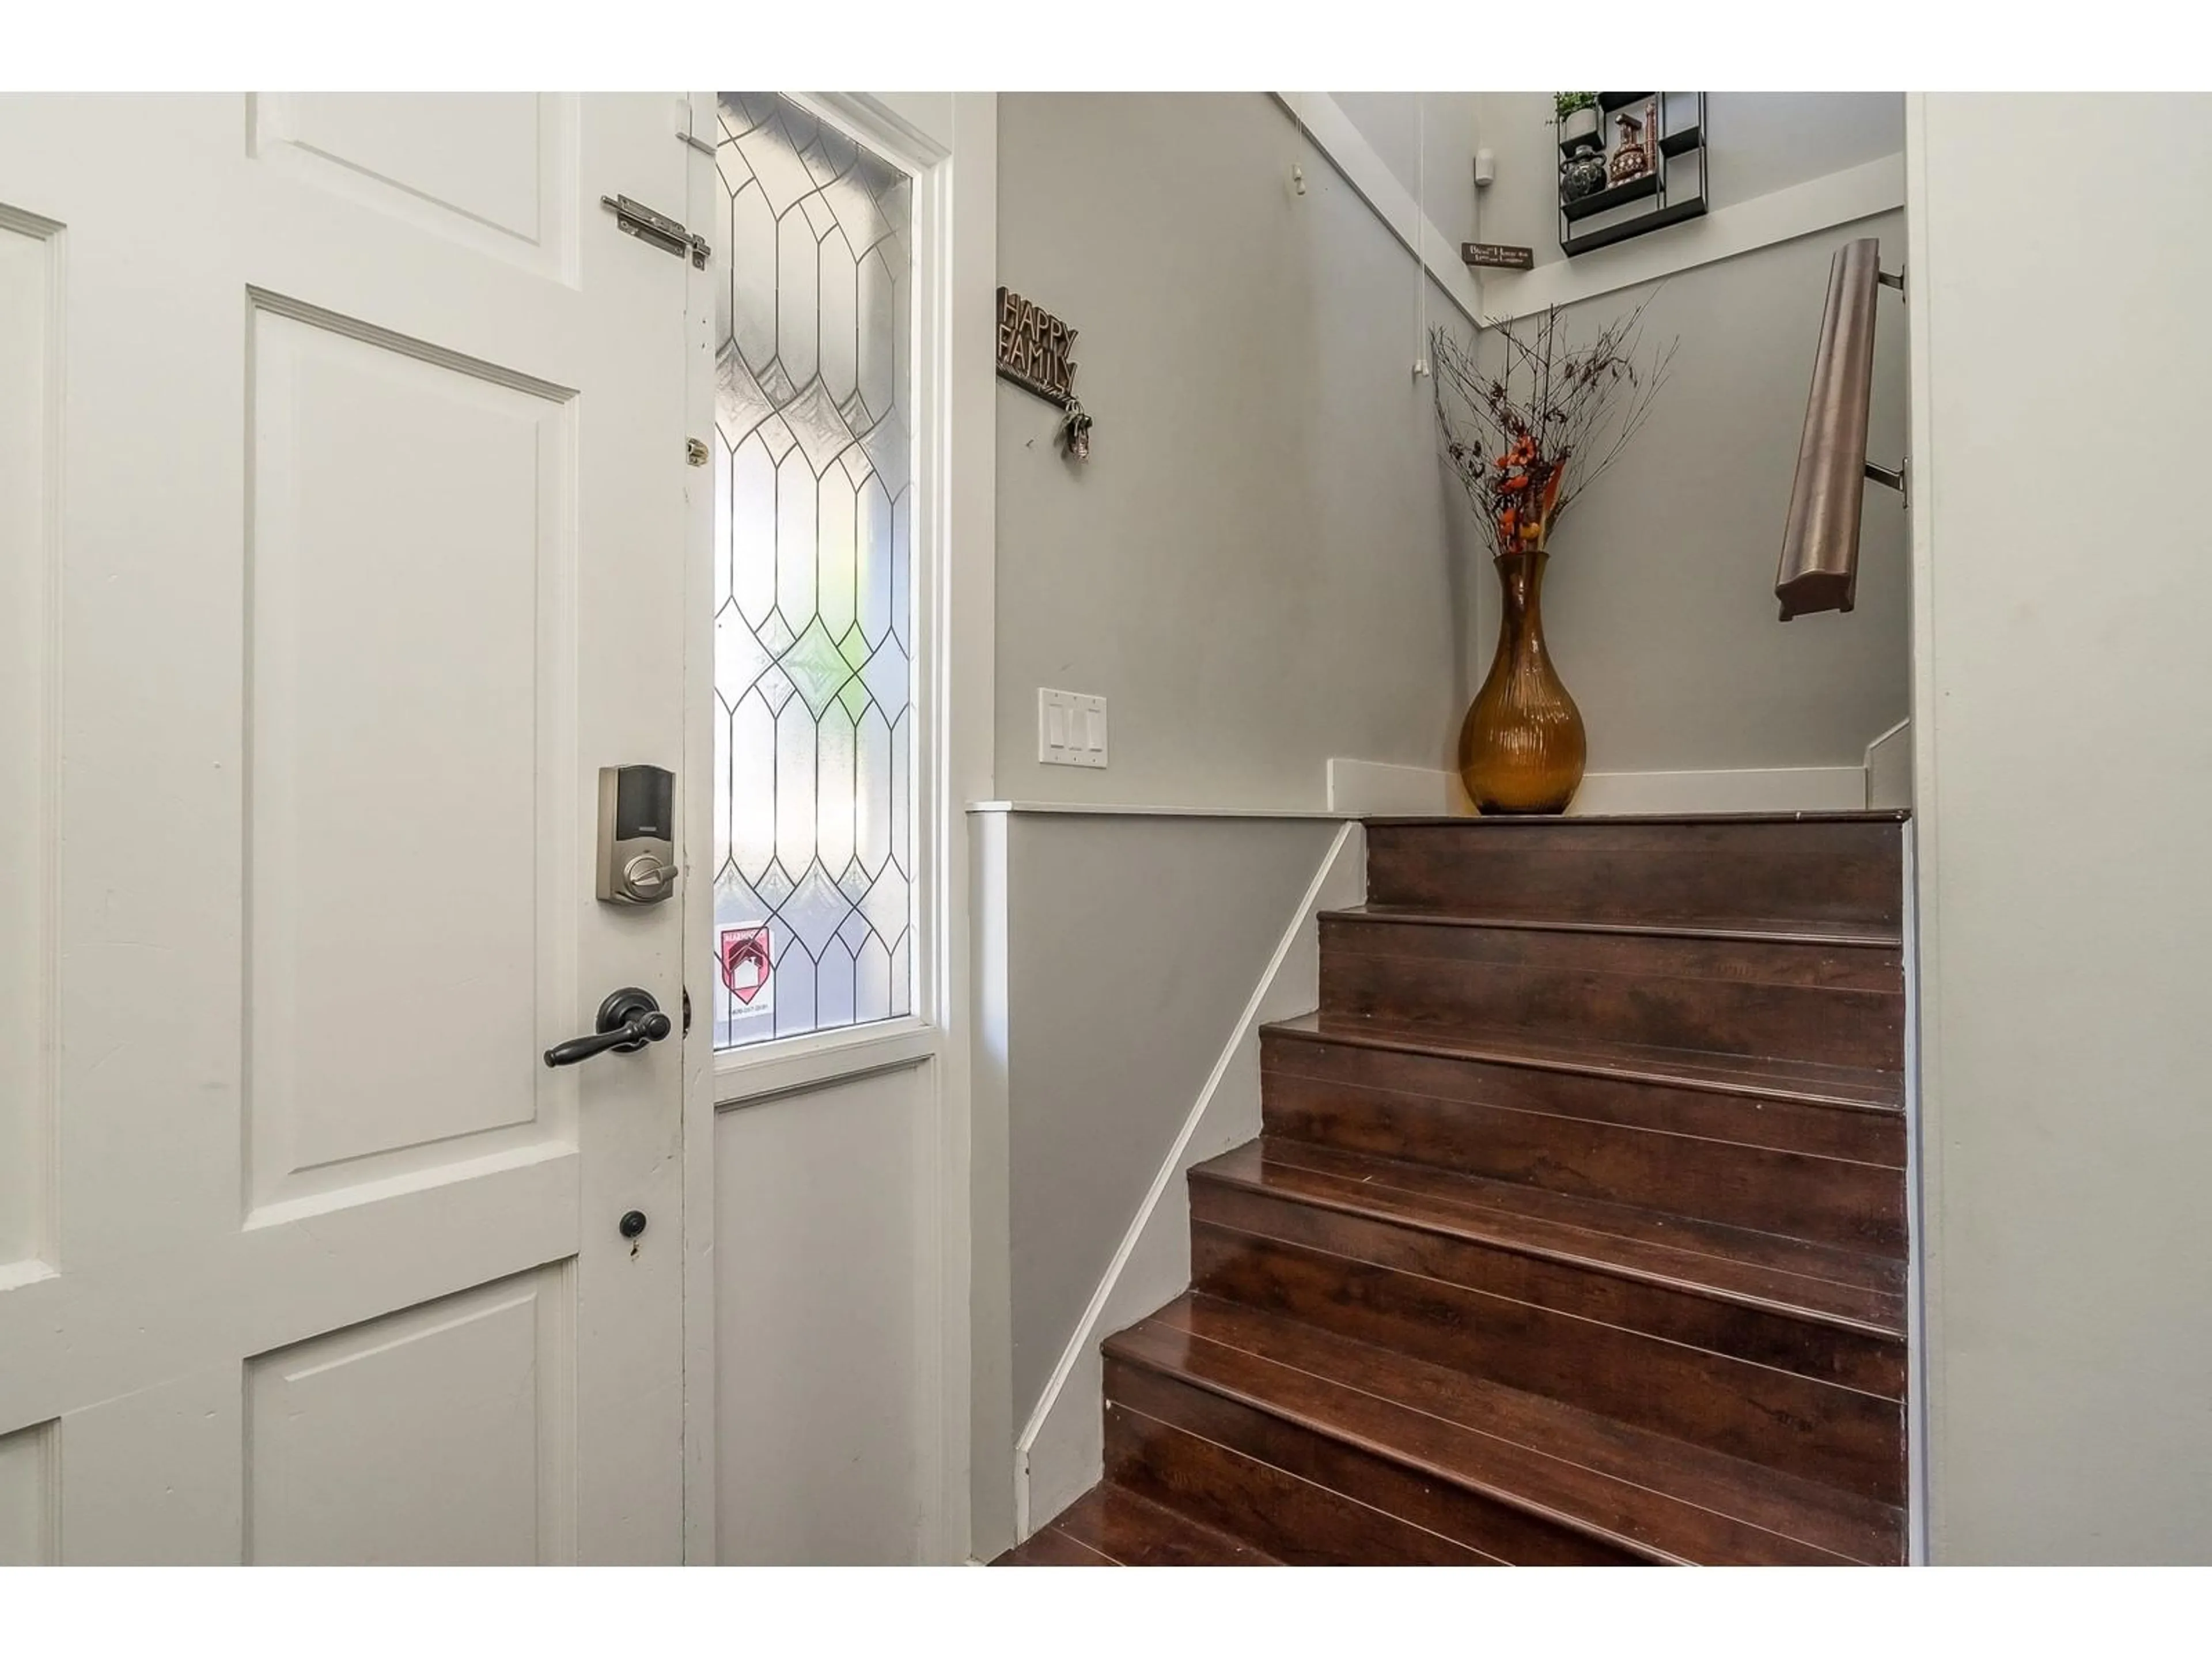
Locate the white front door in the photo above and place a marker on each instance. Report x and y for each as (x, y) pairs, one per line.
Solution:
(343, 536)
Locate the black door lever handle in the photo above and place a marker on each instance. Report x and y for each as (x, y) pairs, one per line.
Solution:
(629, 1019)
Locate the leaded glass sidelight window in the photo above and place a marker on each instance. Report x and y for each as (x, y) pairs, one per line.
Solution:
(814, 900)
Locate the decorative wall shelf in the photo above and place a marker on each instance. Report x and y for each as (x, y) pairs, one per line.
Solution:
(1661, 135)
(1615, 196)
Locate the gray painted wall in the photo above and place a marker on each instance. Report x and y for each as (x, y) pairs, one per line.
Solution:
(1428, 140)
(1257, 567)
(1659, 601)
(2065, 775)
(1109, 1047)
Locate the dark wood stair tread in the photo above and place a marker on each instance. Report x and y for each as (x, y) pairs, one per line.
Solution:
(1797, 1278)
(1809, 1083)
(1780, 931)
(1051, 1547)
(1658, 1499)
(1110, 1526)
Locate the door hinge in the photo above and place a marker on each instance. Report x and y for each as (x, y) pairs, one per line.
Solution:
(694, 452)
(658, 228)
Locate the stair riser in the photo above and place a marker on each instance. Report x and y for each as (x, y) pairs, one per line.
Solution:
(1719, 874)
(1785, 1419)
(1830, 1004)
(1636, 1308)
(1776, 1122)
(1424, 1420)
(1297, 1523)
(1153, 1419)
(1494, 1125)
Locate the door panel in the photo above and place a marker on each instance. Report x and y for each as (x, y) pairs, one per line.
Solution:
(823, 1312)
(496, 171)
(412, 693)
(443, 1433)
(371, 551)
(152, 1474)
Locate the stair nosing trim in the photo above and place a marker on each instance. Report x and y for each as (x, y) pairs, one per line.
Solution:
(1422, 918)
(1401, 1041)
(1343, 1206)
(1415, 1464)
(1592, 972)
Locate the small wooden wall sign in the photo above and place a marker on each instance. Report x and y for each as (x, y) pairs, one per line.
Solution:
(1499, 256)
(1033, 348)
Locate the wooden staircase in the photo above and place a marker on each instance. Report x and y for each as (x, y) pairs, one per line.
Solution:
(1575, 1232)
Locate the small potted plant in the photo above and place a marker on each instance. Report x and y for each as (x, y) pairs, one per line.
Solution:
(1577, 114)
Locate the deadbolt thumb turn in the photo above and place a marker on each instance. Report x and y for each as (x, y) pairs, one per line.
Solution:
(637, 835)
(629, 1019)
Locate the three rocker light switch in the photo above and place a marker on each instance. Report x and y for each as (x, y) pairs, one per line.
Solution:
(1071, 728)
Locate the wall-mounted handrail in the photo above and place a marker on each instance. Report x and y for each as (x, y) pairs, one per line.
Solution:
(1819, 568)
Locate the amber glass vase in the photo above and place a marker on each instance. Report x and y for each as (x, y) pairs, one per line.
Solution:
(1521, 748)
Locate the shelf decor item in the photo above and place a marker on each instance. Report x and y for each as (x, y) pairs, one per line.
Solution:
(1582, 175)
(1631, 154)
(1575, 113)
(1515, 431)
(1655, 174)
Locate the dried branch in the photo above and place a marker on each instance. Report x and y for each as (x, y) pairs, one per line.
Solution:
(1527, 441)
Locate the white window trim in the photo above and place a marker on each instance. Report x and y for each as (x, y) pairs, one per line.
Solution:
(792, 1066)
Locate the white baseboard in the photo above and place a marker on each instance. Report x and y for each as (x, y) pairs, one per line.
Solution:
(1889, 768)
(1369, 788)
(1373, 789)
(1060, 1453)
(1766, 789)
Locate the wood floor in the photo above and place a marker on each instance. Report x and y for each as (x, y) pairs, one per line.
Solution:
(1576, 1230)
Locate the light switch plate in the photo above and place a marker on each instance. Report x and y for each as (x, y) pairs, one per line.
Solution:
(1071, 728)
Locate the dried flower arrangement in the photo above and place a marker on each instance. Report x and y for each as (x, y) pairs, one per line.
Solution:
(1513, 436)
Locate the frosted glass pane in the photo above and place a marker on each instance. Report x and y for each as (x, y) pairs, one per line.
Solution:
(813, 644)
